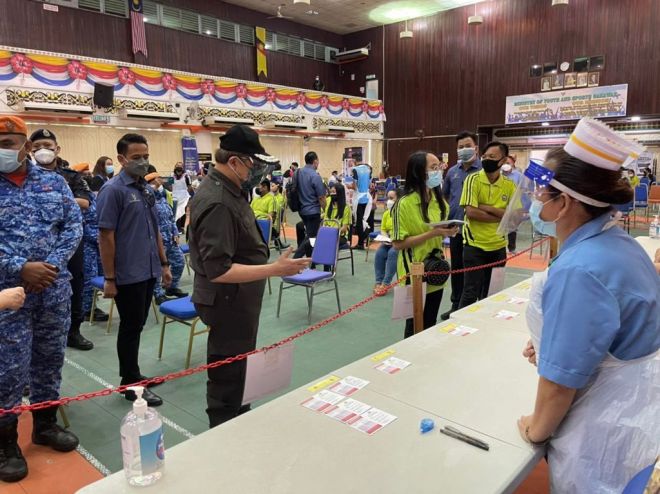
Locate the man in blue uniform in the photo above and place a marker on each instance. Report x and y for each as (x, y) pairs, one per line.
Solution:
(46, 152)
(92, 267)
(170, 234)
(41, 228)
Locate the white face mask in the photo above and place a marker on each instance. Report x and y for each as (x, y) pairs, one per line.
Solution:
(44, 156)
(390, 203)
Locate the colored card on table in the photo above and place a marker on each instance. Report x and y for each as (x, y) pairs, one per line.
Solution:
(459, 330)
(348, 385)
(320, 402)
(518, 300)
(348, 411)
(373, 420)
(392, 365)
(506, 314)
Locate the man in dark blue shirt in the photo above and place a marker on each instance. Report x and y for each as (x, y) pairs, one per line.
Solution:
(132, 253)
(468, 163)
(312, 192)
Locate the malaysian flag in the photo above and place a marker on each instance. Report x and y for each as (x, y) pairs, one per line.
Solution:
(137, 27)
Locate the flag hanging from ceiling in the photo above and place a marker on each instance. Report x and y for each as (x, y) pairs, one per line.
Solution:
(137, 26)
(262, 65)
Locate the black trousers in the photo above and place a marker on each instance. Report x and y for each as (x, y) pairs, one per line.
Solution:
(431, 308)
(456, 249)
(76, 267)
(359, 226)
(133, 303)
(477, 282)
(512, 237)
(312, 224)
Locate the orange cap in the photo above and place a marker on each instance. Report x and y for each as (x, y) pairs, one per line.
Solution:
(80, 167)
(12, 125)
(151, 176)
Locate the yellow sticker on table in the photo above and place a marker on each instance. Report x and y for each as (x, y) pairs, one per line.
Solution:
(524, 286)
(323, 384)
(448, 328)
(382, 356)
(473, 308)
(502, 297)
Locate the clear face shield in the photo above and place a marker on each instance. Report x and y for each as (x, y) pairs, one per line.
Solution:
(534, 182)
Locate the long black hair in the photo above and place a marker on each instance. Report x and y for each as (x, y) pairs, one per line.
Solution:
(340, 200)
(416, 182)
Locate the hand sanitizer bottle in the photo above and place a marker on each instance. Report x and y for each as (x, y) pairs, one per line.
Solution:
(142, 443)
(654, 228)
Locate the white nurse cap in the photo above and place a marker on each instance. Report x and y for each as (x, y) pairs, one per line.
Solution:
(597, 144)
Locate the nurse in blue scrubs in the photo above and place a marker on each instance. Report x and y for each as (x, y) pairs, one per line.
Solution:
(598, 398)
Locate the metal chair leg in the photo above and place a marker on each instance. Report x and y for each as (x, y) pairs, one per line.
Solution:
(270, 290)
(368, 243)
(352, 264)
(337, 293)
(310, 303)
(95, 294)
(65, 419)
(190, 341)
(279, 298)
(110, 313)
(162, 337)
(186, 258)
(153, 306)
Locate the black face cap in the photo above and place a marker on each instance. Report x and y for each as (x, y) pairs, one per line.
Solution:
(245, 141)
(40, 134)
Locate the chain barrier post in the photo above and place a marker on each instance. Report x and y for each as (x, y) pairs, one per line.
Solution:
(417, 273)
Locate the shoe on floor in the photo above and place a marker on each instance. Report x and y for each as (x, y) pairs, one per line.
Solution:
(13, 466)
(161, 299)
(46, 431)
(99, 316)
(145, 378)
(79, 342)
(175, 292)
(152, 399)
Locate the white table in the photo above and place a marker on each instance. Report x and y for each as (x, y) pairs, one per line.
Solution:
(650, 245)
(480, 383)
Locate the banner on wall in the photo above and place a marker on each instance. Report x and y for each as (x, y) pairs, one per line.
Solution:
(262, 65)
(570, 104)
(190, 154)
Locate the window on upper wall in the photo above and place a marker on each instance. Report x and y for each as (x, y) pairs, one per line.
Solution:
(319, 52)
(170, 17)
(189, 21)
(227, 31)
(116, 7)
(150, 10)
(94, 5)
(209, 26)
(246, 35)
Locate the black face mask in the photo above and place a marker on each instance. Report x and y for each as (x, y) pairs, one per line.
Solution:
(178, 171)
(490, 166)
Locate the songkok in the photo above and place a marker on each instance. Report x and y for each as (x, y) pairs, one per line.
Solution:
(151, 176)
(80, 167)
(597, 144)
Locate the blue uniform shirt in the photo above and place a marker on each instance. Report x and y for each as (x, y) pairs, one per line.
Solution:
(129, 209)
(452, 188)
(362, 174)
(91, 222)
(40, 221)
(310, 188)
(166, 224)
(602, 296)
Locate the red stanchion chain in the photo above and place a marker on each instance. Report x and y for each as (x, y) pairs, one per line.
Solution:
(237, 358)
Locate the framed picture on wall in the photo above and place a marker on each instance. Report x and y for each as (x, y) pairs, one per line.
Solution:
(546, 83)
(558, 81)
(581, 79)
(569, 79)
(594, 79)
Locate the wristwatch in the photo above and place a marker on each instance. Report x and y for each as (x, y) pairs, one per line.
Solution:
(165, 264)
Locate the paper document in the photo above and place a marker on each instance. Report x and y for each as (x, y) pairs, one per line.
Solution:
(383, 238)
(506, 314)
(446, 224)
(268, 372)
(373, 420)
(349, 385)
(458, 330)
(347, 411)
(312, 241)
(320, 402)
(392, 365)
(402, 305)
(518, 300)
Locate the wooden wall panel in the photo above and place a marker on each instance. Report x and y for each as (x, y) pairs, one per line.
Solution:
(452, 76)
(79, 32)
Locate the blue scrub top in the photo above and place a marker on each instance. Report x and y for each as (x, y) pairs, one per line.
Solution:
(602, 296)
(363, 177)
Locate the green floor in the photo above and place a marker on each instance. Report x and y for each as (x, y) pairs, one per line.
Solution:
(97, 421)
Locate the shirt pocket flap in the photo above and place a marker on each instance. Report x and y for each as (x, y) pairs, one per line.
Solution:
(203, 296)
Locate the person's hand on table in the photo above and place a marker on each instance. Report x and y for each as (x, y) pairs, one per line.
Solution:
(12, 298)
(529, 352)
(285, 266)
(439, 231)
(523, 423)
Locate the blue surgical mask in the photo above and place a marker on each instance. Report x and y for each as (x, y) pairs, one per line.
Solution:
(109, 169)
(9, 160)
(544, 227)
(465, 154)
(433, 179)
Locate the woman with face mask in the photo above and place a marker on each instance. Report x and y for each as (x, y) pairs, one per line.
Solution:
(103, 171)
(386, 255)
(598, 335)
(412, 236)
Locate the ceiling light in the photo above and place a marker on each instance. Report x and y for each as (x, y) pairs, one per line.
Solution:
(208, 31)
(636, 118)
(545, 124)
(306, 2)
(405, 34)
(475, 20)
(559, 2)
(145, 19)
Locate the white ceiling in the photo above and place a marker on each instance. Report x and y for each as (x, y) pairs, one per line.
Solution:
(348, 16)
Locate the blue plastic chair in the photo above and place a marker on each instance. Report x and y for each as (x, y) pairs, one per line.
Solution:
(181, 310)
(638, 483)
(185, 248)
(265, 227)
(626, 209)
(97, 284)
(645, 181)
(325, 252)
(641, 200)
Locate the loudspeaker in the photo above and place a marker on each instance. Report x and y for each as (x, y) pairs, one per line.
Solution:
(104, 95)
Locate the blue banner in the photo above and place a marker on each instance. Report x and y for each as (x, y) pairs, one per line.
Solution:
(190, 154)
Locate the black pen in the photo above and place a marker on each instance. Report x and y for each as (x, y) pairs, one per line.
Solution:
(466, 439)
